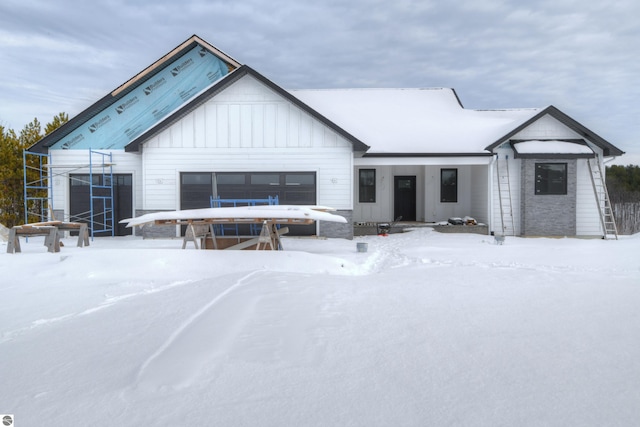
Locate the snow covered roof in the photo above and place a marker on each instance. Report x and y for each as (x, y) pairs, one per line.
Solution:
(555, 147)
(414, 121)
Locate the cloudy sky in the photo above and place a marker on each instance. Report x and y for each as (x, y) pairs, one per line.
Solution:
(580, 56)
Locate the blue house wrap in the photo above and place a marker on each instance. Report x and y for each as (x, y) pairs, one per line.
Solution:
(156, 97)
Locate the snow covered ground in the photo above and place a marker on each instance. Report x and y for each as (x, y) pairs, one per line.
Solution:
(422, 329)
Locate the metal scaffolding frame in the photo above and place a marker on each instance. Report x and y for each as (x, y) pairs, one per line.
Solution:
(38, 193)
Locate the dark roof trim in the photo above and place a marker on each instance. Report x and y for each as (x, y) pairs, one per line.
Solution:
(517, 155)
(223, 84)
(553, 156)
(457, 97)
(124, 89)
(427, 155)
(607, 148)
(571, 140)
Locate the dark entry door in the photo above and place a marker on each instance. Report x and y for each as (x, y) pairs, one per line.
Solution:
(404, 197)
(80, 202)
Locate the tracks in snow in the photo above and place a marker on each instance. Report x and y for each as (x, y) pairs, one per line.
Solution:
(205, 334)
(108, 302)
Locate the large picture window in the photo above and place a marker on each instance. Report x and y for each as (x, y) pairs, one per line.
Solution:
(551, 178)
(448, 185)
(367, 186)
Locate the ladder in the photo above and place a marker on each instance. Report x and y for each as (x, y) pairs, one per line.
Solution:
(504, 194)
(607, 219)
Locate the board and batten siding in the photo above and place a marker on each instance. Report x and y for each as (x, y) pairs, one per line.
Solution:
(480, 194)
(546, 127)
(587, 209)
(76, 162)
(472, 193)
(247, 128)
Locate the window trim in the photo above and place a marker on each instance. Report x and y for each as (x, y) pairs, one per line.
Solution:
(366, 192)
(443, 190)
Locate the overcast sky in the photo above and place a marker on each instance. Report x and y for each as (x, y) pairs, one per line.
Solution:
(580, 56)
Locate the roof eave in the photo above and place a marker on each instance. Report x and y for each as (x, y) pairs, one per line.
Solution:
(439, 155)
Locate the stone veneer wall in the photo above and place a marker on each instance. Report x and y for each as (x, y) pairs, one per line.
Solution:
(150, 231)
(548, 215)
(336, 229)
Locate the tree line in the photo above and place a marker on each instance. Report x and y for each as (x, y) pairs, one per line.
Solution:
(623, 185)
(12, 145)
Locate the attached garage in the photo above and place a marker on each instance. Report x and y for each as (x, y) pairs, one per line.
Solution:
(291, 188)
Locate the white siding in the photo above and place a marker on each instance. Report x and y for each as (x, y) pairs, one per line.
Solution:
(382, 209)
(435, 210)
(77, 162)
(247, 128)
(480, 194)
(587, 210)
(546, 127)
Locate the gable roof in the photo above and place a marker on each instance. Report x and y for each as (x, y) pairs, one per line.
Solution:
(414, 122)
(608, 148)
(218, 87)
(126, 88)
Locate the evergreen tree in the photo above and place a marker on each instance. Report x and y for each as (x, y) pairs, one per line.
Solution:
(57, 121)
(623, 183)
(10, 178)
(12, 168)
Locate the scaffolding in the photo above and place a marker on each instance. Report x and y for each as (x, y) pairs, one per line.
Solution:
(37, 190)
(101, 193)
(254, 229)
(39, 174)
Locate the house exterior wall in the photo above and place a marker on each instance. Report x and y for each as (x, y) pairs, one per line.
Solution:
(546, 127)
(579, 206)
(548, 215)
(587, 208)
(434, 208)
(479, 207)
(247, 128)
(382, 210)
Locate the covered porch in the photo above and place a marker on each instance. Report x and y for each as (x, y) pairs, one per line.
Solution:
(422, 190)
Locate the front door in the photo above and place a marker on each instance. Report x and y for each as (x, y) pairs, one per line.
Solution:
(404, 197)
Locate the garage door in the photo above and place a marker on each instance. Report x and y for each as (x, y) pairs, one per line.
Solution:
(292, 188)
(80, 202)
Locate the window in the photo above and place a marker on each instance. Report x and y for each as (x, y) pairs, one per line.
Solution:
(230, 178)
(448, 185)
(551, 178)
(367, 180)
(300, 179)
(265, 179)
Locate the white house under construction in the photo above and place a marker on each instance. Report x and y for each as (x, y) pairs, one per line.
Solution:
(197, 124)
